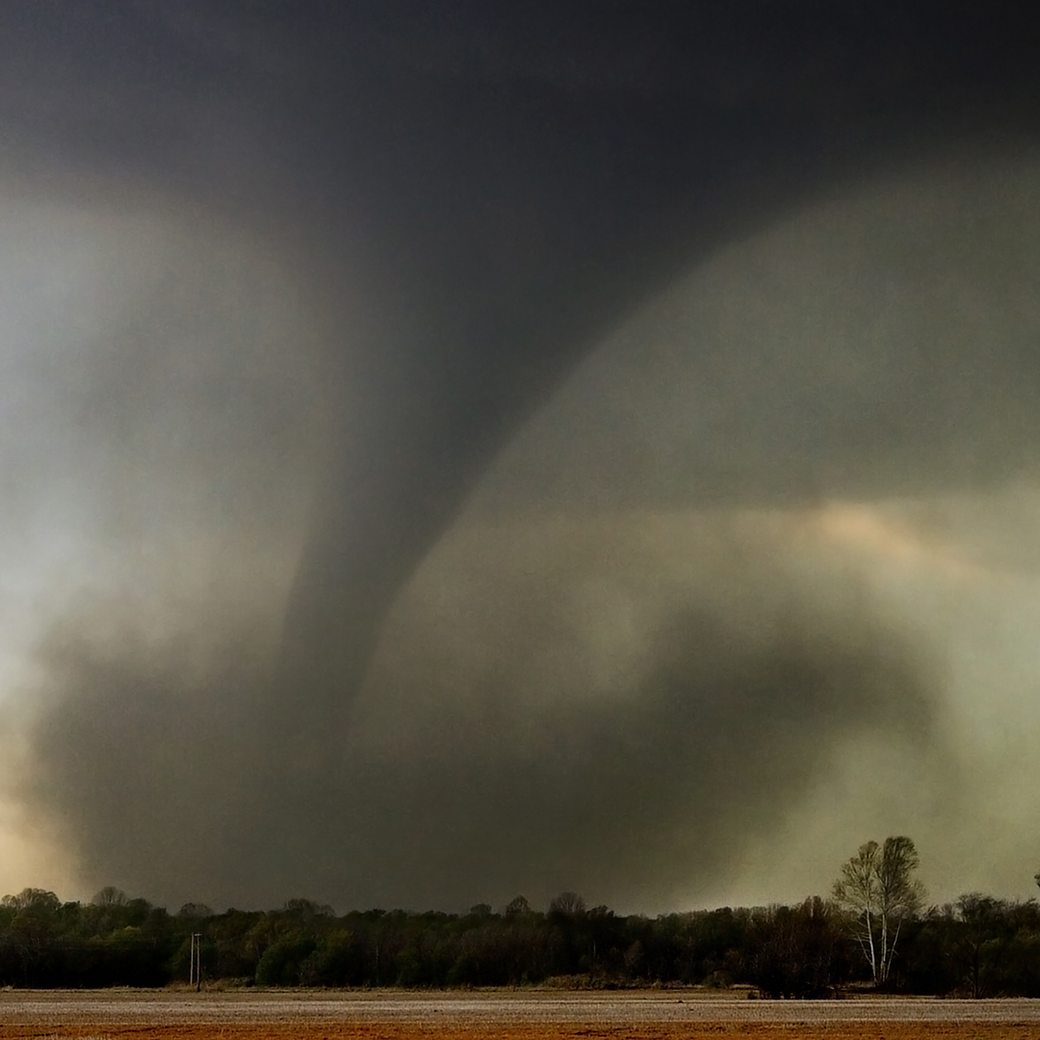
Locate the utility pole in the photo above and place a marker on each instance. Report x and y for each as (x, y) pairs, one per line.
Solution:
(195, 966)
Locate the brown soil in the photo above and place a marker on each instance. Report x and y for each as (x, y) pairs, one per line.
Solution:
(109, 1015)
(570, 1031)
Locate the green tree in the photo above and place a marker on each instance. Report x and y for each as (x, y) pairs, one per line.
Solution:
(282, 962)
(877, 887)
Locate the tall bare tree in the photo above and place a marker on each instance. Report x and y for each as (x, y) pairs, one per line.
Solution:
(877, 887)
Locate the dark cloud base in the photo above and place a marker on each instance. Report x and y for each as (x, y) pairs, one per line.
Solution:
(455, 788)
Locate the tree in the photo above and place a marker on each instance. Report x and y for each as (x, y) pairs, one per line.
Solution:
(796, 951)
(109, 896)
(982, 933)
(516, 906)
(33, 900)
(192, 911)
(877, 886)
(307, 909)
(567, 904)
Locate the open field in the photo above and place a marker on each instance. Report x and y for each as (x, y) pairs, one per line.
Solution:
(384, 1015)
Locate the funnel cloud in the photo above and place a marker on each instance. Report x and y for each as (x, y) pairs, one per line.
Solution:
(458, 453)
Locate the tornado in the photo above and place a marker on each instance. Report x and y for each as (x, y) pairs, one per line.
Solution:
(458, 453)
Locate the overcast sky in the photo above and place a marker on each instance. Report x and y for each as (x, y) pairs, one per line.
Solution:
(451, 452)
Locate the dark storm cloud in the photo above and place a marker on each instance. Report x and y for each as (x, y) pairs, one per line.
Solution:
(472, 199)
(523, 771)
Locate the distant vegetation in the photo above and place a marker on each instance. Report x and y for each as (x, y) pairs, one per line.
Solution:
(869, 934)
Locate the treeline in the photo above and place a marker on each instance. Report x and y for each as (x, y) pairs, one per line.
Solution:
(979, 946)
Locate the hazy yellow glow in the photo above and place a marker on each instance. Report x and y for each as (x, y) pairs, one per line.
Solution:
(868, 529)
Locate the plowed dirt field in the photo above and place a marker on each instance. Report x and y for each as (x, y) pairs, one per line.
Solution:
(501, 1016)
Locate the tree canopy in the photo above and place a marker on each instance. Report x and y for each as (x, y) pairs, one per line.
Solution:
(878, 888)
(978, 946)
